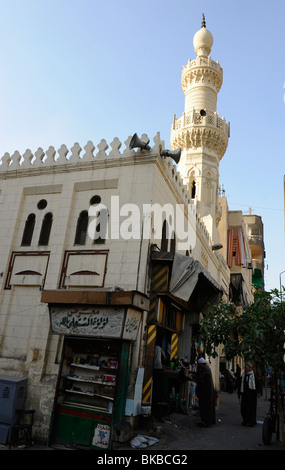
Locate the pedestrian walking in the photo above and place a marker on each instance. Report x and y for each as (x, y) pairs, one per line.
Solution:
(205, 394)
(237, 377)
(250, 390)
(229, 381)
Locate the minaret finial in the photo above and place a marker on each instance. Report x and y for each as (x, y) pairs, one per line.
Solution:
(203, 24)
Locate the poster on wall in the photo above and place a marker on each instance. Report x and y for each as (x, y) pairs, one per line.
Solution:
(101, 436)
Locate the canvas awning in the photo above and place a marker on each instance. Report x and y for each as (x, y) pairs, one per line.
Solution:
(190, 281)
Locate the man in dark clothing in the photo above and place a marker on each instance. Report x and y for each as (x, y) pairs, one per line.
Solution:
(237, 377)
(229, 381)
(205, 394)
(250, 390)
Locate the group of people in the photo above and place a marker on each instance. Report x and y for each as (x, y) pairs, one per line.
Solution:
(247, 385)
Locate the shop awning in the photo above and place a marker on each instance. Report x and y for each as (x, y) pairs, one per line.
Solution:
(98, 314)
(133, 299)
(190, 281)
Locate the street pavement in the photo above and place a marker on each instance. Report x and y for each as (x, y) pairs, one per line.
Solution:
(181, 432)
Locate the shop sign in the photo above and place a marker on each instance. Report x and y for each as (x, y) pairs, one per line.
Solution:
(132, 324)
(92, 321)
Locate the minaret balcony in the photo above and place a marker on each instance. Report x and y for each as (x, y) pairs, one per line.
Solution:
(201, 118)
(202, 62)
(200, 128)
(202, 70)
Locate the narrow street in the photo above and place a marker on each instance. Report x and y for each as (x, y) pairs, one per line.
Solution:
(182, 432)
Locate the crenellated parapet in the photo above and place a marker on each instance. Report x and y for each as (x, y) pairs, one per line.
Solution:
(77, 158)
(76, 155)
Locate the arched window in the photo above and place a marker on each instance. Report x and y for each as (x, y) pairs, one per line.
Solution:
(173, 243)
(28, 230)
(164, 237)
(81, 229)
(45, 230)
(95, 200)
(101, 227)
(193, 189)
(101, 221)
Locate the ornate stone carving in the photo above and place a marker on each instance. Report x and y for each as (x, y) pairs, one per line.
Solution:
(207, 76)
(116, 145)
(193, 137)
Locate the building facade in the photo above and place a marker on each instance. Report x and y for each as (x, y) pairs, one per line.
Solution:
(254, 228)
(105, 249)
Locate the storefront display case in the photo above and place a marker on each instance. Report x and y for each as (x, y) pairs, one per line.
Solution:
(99, 329)
(87, 392)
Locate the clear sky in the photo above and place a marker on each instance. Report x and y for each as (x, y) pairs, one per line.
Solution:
(79, 70)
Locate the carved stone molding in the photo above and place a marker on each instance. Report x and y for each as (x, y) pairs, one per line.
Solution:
(211, 139)
(200, 76)
(27, 268)
(83, 268)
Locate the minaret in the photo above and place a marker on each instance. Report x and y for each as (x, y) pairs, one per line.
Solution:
(200, 132)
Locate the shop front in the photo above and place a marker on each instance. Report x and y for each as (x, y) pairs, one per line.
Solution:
(92, 383)
(180, 291)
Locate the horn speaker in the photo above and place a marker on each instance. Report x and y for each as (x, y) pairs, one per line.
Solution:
(138, 143)
(174, 154)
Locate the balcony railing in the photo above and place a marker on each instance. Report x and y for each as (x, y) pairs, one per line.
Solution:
(195, 118)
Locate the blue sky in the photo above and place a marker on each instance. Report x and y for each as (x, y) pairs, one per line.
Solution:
(79, 70)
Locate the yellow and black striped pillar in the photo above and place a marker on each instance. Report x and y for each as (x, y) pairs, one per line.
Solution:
(174, 346)
(152, 308)
(159, 277)
(147, 385)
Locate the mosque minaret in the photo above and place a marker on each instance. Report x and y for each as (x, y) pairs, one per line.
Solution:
(200, 133)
